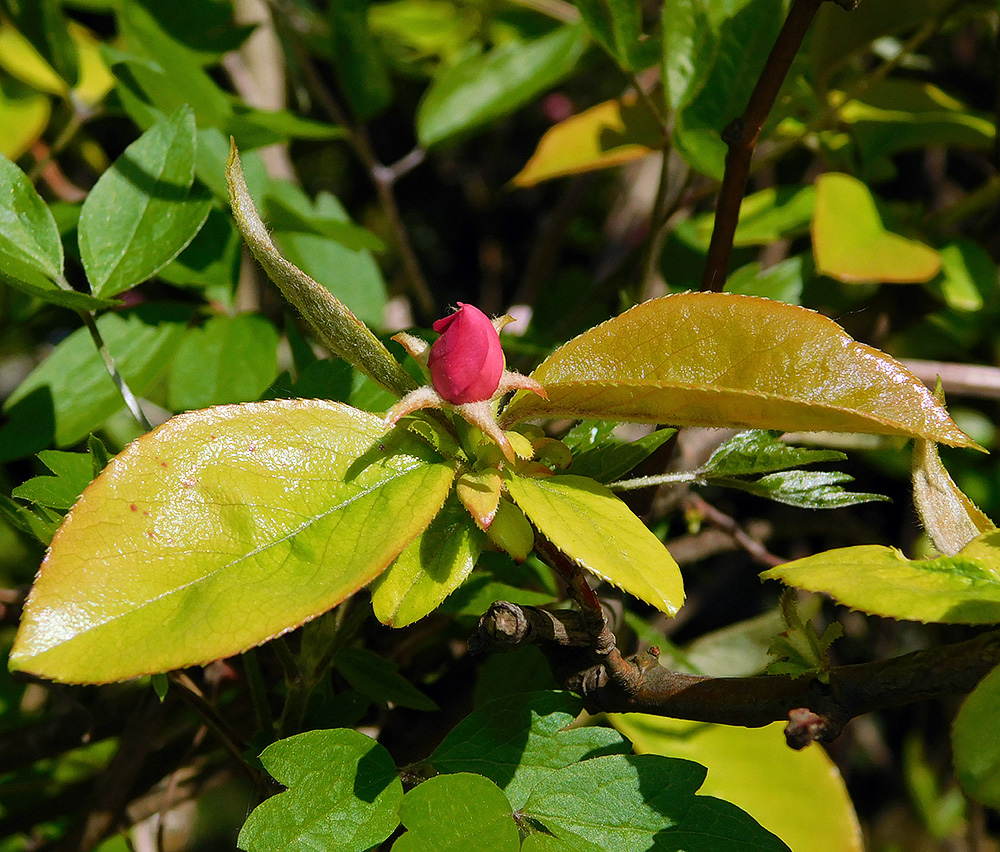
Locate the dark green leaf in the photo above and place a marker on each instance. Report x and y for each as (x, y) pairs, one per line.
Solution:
(30, 248)
(360, 69)
(612, 460)
(145, 209)
(485, 87)
(761, 451)
(808, 489)
(38, 522)
(228, 359)
(283, 216)
(344, 795)
(622, 803)
(211, 261)
(518, 741)
(617, 26)
(371, 675)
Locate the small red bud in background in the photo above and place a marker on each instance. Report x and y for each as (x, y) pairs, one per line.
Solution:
(466, 361)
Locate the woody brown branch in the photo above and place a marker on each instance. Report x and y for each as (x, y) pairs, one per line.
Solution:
(814, 710)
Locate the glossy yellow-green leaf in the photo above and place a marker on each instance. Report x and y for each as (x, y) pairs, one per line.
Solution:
(429, 569)
(950, 518)
(19, 58)
(601, 534)
(755, 770)
(479, 492)
(720, 359)
(851, 244)
(959, 589)
(219, 530)
(606, 135)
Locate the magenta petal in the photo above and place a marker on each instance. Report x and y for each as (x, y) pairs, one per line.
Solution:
(466, 361)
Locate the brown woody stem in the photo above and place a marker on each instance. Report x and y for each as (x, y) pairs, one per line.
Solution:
(814, 710)
(742, 134)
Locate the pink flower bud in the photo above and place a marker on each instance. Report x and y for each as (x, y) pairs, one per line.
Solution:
(466, 361)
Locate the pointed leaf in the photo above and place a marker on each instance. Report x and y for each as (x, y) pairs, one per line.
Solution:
(612, 460)
(219, 530)
(609, 134)
(431, 567)
(143, 210)
(623, 803)
(599, 532)
(485, 87)
(29, 238)
(344, 794)
(960, 589)
(519, 740)
(851, 244)
(762, 452)
(479, 492)
(379, 679)
(950, 518)
(976, 751)
(457, 813)
(808, 489)
(717, 359)
(756, 770)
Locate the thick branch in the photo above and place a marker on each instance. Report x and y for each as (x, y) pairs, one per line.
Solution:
(814, 710)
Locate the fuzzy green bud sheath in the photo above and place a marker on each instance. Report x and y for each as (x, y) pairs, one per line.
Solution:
(466, 361)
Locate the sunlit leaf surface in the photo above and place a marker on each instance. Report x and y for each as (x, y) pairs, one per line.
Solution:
(219, 530)
(851, 244)
(717, 359)
(962, 589)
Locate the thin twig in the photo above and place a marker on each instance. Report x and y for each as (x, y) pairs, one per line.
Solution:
(382, 177)
(131, 402)
(741, 136)
(729, 525)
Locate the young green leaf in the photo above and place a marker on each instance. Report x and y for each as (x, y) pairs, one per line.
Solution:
(519, 740)
(960, 589)
(245, 519)
(379, 679)
(485, 87)
(621, 803)
(344, 794)
(976, 751)
(143, 210)
(38, 522)
(457, 813)
(716, 359)
(73, 472)
(756, 770)
(429, 569)
(601, 534)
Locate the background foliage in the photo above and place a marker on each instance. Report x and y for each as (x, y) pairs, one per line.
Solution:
(559, 161)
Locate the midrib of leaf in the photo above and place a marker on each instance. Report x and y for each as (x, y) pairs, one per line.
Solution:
(140, 220)
(204, 578)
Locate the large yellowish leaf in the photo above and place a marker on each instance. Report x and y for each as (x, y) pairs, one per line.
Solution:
(219, 530)
(755, 770)
(606, 135)
(959, 589)
(601, 534)
(851, 244)
(724, 360)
